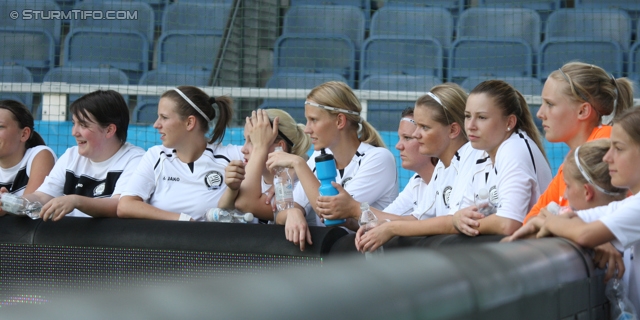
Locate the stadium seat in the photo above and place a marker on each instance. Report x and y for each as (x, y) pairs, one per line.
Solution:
(300, 53)
(398, 55)
(295, 107)
(365, 5)
(187, 50)
(556, 52)
(454, 6)
(103, 76)
(199, 17)
(499, 57)
(143, 23)
(580, 24)
(632, 7)
(543, 7)
(414, 22)
(17, 74)
(34, 49)
(634, 61)
(147, 106)
(51, 26)
(127, 51)
(500, 23)
(347, 21)
(384, 115)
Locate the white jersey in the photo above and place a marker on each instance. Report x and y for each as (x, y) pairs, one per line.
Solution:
(621, 218)
(16, 178)
(76, 174)
(407, 201)
(436, 201)
(167, 183)
(518, 177)
(465, 166)
(369, 177)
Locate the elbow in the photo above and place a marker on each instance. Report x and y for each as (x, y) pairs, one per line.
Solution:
(586, 241)
(123, 210)
(508, 227)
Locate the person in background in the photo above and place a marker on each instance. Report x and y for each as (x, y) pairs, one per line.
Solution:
(249, 181)
(184, 177)
(25, 160)
(365, 167)
(88, 178)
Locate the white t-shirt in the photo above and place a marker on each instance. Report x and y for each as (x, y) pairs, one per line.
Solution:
(370, 177)
(407, 201)
(167, 183)
(622, 218)
(439, 196)
(516, 180)
(16, 178)
(76, 174)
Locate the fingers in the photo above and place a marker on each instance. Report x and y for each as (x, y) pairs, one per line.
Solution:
(611, 270)
(301, 239)
(465, 227)
(621, 269)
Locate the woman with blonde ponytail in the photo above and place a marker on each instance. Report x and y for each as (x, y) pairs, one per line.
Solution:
(365, 167)
(248, 180)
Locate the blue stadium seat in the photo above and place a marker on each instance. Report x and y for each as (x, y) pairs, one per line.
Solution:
(581, 24)
(102, 76)
(634, 61)
(308, 81)
(309, 54)
(381, 114)
(543, 7)
(17, 74)
(499, 57)
(34, 49)
(127, 51)
(454, 6)
(143, 22)
(147, 106)
(200, 17)
(397, 55)
(632, 7)
(347, 21)
(51, 26)
(414, 22)
(365, 5)
(500, 23)
(555, 52)
(188, 50)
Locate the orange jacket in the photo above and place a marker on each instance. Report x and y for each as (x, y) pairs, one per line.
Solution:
(555, 190)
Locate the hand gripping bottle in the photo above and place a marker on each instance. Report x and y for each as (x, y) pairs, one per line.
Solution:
(368, 221)
(326, 173)
(20, 206)
(556, 209)
(621, 306)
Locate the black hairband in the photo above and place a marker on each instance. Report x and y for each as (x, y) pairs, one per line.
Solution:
(281, 135)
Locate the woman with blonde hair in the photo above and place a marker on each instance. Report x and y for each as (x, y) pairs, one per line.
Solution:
(249, 180)
(365, 167)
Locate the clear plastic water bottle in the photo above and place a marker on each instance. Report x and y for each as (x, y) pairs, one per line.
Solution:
(222, 215)
(283, 186)
(20, 206)
(621, 306)
(368, 221)
(483, 202)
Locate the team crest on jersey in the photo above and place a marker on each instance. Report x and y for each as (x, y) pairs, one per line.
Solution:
(99, 190)
(213, 180)
(446, 193)
(493, 195)
(345, 181)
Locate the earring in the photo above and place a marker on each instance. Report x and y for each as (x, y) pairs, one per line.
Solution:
(508, 129)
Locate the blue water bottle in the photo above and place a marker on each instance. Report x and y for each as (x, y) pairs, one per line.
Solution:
(326, 173)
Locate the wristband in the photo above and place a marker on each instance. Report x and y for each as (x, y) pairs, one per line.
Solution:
(184, 217)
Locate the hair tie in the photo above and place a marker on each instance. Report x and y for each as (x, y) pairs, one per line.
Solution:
(212, 100)
(192, 104)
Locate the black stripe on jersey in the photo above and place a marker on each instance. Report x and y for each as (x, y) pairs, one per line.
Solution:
(435, 178)
(359, 154)
(479, 161)
(417, 176)
(486, 177)
(86, 186)
(190, 164)
(219, 156)
(457, 155)
(530, 152)
(314, 170)
(19, 182)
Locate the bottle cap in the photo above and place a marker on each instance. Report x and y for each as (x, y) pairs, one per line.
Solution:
(364, 206)
(483, 193)
(553, 207)
(324, 156)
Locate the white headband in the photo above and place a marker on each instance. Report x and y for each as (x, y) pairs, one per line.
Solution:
(408, 120)
(334, 109)
(436, 99)
(192, 104)
(586, 176)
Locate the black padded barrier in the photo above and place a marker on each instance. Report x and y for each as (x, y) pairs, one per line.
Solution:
(170, 270)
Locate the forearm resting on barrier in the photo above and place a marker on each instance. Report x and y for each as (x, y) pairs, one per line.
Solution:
(134, 207)
(494, 224)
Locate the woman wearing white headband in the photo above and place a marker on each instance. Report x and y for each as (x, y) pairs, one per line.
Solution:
(183, 177)
(439, 117)
(365, 167)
